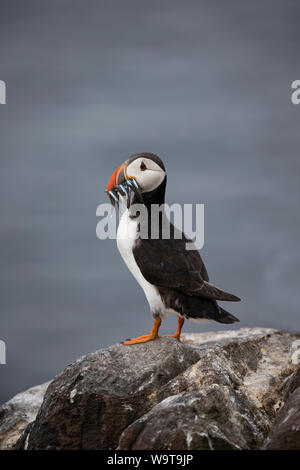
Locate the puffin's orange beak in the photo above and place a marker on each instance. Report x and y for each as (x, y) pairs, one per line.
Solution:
(121, 183)
(114, 180)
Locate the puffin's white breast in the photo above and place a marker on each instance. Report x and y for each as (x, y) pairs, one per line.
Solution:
(126, 237)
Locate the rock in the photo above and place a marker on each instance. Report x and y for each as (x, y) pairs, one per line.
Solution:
(213, 419)
(227, 400)
(294, 383)
(211, 391)
(285, 434)
(99, 395)
(17, 413)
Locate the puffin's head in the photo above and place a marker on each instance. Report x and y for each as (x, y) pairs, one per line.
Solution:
(143, 173)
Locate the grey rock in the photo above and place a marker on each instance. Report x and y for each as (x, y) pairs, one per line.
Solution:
(218, 390)
(99, 395)
(285, 433)
(227, 400)
(216, 418)
(17, 413)
(294, 383)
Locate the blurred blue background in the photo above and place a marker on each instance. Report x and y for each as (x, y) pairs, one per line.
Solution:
(204, 84)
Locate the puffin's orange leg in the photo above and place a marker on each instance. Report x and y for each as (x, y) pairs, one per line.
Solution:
(180, 325)
(145, 338)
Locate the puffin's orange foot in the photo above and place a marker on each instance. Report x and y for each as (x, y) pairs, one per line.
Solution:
(174, 336)
(140, 339)
(145, 338)
(178, 332)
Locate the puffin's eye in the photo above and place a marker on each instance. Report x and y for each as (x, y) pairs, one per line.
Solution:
(143, 166)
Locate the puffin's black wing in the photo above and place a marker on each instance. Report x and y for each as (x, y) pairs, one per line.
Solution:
(167, 263)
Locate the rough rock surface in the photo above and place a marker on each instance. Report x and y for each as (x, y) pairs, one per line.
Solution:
(227, 400)
(285, 433)
(218, 390)
(18, 412)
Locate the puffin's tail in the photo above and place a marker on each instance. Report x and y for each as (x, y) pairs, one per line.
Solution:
(226, 317)
(212, 292)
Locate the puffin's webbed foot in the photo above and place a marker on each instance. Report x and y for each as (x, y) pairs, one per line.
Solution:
(140, 339)
(178, 332)
(145, 338)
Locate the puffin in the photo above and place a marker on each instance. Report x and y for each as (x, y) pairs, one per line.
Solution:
(174, 279)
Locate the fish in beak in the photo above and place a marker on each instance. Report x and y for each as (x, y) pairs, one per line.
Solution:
(122, 184)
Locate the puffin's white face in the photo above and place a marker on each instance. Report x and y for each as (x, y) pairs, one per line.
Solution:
(139, 174)
(147, 173)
